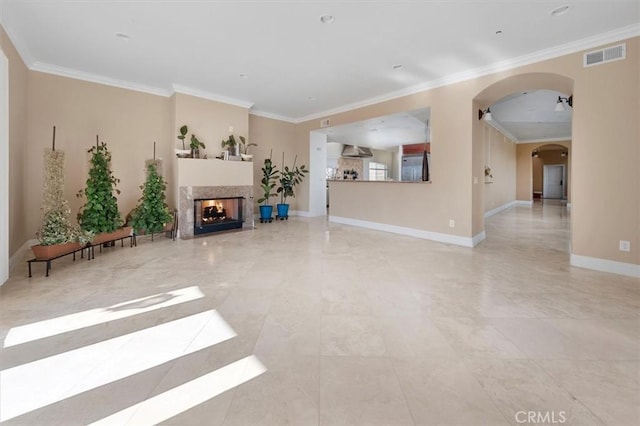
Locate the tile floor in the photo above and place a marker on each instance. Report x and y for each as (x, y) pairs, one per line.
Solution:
(308, 323)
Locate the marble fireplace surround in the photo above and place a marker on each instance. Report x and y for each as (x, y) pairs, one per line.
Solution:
(190, 193)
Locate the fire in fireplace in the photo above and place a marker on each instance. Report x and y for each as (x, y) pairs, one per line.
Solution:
(219, 214)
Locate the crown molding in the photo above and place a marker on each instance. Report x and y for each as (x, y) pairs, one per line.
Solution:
(99, 79)
(211, 96)
(502, 130)
(545, 54)
(266, 114)
(541, 55)
(21, 47)
(544, 140)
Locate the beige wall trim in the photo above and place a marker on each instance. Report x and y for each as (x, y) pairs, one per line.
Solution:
(524, 203)
(605, 265)
(411, 232)
(478, 238)
(18, 256)
(501, 208)
(301, 213)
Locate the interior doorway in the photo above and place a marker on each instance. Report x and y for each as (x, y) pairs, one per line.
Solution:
(553, 181)
(4, 168)
(317, 174)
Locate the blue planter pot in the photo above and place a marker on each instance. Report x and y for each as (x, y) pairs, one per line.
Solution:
(265, 214)
(283, 211)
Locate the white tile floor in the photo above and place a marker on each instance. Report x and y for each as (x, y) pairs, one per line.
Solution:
(303, 322)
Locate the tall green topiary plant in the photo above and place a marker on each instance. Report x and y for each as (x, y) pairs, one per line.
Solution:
(100, 212)
(152, 214)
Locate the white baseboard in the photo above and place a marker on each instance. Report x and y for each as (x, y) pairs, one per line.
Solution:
(411, 232)
(301, 213)
(524, 203)
(605, 265)
(478, 238)
(19, 254)
(501, 208)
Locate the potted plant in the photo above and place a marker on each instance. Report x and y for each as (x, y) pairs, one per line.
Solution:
(100, 214)
(184, 152)
(231, 145)
(244, 149)
(152, 214)
(289, 178)
(195, 146)
(267, 183)
(56, 236)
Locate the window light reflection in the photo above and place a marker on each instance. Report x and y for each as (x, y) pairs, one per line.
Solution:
(188, 395)
(64, 324)
(46, 381)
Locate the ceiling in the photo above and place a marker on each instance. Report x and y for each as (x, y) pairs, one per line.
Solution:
(530, 116)
(383, 132)
(278, 58)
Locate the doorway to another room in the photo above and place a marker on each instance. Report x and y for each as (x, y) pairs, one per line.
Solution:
(553, 181)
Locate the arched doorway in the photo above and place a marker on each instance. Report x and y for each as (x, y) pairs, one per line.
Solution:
(523, 188)
(551, 171)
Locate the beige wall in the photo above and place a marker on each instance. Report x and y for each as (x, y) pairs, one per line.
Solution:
(209, 121)
(606, 179)
(500, 156)
(605, 152)
(129, 122)
(18, 75)
(449, 196)
(275, 137)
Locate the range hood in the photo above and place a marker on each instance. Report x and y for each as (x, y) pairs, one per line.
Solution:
(356, 151)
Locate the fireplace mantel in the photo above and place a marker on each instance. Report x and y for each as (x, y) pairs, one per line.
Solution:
(199, 179)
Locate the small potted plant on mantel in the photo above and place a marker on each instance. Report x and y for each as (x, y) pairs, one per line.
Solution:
(244, 149)
(184, 152)
(267, 183)
(289, 179)
(195, 146)
(232, 147)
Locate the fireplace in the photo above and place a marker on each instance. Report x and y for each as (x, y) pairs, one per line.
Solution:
(216, 214)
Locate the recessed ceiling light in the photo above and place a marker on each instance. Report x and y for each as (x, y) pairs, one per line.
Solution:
(499, 32)
(123, 36)
(559, 10)
(327, 19)
(397, 66)
(243, 75)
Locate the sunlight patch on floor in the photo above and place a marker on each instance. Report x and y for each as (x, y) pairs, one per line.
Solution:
(46, 381)
(54, 326)
(188, 395)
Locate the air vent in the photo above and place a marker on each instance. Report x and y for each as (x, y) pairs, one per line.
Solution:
(325, 123)
(613, 53)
